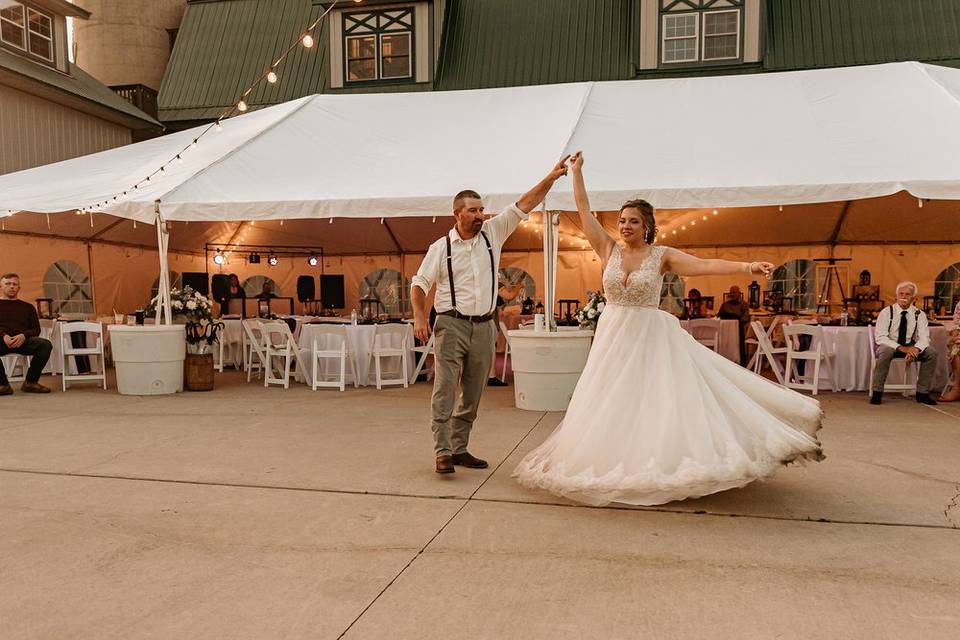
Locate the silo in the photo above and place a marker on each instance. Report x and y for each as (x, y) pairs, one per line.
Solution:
(127, 42)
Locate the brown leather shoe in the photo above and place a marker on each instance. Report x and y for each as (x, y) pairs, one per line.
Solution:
(445, 464)
(6, 389)
(466, 460)
(34, 387)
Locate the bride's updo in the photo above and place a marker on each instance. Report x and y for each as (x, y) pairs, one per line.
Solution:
(646, 214)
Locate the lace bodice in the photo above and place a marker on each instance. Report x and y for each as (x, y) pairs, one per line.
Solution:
(642, 287)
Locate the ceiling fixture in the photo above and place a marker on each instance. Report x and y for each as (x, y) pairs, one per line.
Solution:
(219, 259)
(254, 258)
(272, 260)
(313, 261)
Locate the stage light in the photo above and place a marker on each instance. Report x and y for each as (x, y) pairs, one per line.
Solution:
(254, 258)
(272, 260)
(219, 259)
(313, 261)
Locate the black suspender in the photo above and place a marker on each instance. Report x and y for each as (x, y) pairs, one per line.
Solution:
(493, 272)
(916, 323)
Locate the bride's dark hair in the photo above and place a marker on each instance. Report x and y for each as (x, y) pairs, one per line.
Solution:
(646, 214)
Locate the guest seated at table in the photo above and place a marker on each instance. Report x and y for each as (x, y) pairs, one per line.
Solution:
(266, 292)
(505, 295)
(234, 292)
(902, 332)
(953, 356)
(20, 330)
(693, 307)
(736, 308)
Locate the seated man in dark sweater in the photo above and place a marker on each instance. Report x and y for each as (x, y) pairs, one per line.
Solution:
(20, 333)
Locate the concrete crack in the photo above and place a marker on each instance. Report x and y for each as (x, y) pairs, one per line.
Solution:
(953, 507)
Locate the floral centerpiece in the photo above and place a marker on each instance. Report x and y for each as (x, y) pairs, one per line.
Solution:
(590, 313)
(197, 310)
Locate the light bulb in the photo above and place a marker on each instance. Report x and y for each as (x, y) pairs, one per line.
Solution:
(307, 41)
(241, 106)
(179, 161)
(218, 126)
(219, 259)
(194, 143)
(272, 260)
(704, 217)
(781, 207)
(683, 228)
(313, 261)
(662, 236)
(714, 212)
(272, 77)
(693, 223)
(674, 232)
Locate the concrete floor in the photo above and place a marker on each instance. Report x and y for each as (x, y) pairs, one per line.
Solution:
(263, 513)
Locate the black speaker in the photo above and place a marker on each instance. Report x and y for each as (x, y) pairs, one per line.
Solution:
(197, 280)
(221, 286)
(331, 292)
(306, 288)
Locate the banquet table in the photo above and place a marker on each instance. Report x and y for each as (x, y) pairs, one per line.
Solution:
(849, 367)
(235, 340)
(360, 345)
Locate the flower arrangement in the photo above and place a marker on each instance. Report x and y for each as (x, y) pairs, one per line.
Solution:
(196, 308)
(590, 313)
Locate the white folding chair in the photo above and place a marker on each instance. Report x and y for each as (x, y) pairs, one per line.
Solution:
(253, 354)
(506, 350)
(67, 351)
(14, 363)
(706, 331)
(814, 355)
(383, 337)
(335, 347)
(279, 346)
(906, 387)
(423, 351)
(766, 352)
(769, 332)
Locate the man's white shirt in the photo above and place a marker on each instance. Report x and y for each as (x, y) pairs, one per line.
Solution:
(473, 276)
(915, 321)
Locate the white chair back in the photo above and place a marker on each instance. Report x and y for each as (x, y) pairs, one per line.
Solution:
(384, 337)
(279, 345)
(68, 351)
(330, 342)
(507, 351)
(814, 355)
(706, 331)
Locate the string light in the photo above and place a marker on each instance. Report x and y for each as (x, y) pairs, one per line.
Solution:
(920, 203)
(781, 208)
(693, 223)
(704, 217)
(270, 75)
(714, 212)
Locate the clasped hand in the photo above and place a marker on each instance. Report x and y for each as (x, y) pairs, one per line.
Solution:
(14, 342)
(912, 353)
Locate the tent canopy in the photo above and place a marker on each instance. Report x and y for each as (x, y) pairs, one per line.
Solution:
(824, 136)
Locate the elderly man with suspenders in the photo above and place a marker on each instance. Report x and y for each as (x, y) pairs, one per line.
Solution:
(464, 266)
(902, 332)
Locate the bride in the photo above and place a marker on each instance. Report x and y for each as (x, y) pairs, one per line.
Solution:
(656, 416)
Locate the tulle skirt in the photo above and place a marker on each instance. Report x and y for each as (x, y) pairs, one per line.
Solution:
(658, 417)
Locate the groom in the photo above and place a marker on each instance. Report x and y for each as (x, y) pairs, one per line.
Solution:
(464, 265)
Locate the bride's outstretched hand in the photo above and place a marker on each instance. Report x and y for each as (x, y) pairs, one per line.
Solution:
(576, 161)
(766, 268)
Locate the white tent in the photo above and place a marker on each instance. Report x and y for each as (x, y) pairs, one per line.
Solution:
(824, 136)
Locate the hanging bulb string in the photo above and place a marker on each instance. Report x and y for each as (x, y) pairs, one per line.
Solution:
(240, 106)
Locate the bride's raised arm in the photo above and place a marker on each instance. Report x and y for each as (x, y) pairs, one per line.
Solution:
(597, 236)
(684, 264)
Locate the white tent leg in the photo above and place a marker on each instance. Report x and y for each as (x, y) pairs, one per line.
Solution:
(163, 289)
(550, 242)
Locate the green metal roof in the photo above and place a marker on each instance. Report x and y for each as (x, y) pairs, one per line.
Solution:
(78, 83)
(497, 43)
(808, 34)
(223, 46)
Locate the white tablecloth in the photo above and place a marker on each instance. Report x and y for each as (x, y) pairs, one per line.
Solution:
(849, 370)
(360, 345)
(729, 335)
(234, 339)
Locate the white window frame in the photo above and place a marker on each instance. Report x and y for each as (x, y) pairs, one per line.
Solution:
(49, 38)
(664, 38)
(346, 57)
(24, 29)
(410, 53)
(703, 35)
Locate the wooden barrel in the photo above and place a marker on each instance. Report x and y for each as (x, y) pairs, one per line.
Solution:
(198, 372)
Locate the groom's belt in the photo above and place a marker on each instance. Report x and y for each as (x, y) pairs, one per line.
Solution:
(453, 313)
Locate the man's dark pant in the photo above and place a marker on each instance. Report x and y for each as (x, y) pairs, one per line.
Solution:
(38, 348)
(886, 355)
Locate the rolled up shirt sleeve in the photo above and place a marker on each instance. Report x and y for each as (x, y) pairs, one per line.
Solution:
(426, 275)
(923, 332)
(881, 337)
(505, 223)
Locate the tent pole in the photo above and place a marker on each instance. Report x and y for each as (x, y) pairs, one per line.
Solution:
(549, 266)
(163, 290)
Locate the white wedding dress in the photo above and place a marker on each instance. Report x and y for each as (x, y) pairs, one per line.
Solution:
(657, 417)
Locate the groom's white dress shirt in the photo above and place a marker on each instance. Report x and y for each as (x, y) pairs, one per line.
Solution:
(473, 277)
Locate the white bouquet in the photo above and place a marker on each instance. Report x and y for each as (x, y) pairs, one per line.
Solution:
(590, 313)
(195, 306)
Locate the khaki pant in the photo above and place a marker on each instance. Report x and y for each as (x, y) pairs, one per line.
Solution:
(886, 355)
(463, 352)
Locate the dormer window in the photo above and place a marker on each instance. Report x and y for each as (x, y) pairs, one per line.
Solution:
(700, 31)
(28, 30)
(378, 45)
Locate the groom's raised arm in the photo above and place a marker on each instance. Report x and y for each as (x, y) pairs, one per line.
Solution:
(504, 223)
